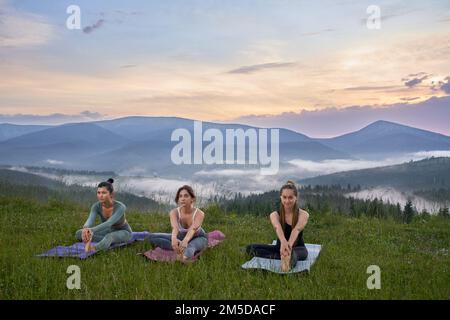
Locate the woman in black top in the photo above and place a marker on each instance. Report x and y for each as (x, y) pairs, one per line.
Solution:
(288, 224)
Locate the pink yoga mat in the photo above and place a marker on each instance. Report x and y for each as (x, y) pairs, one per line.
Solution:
(214, 238)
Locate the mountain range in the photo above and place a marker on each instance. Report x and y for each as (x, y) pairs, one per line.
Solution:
(143, 144)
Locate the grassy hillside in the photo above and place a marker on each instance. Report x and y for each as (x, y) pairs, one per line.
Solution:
(15, 183)
(433, 173)
(413, 258)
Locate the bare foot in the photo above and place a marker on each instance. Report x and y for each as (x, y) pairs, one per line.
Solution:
(285, 263)
(180, 257)
(89, 247)
(187, 260)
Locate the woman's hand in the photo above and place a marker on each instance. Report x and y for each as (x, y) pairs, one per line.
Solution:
(183, 246)
(86, 235)
(290, 245)
(176, 245)
(285, 249)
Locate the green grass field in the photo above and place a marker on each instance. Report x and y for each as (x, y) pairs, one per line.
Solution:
(413, 259)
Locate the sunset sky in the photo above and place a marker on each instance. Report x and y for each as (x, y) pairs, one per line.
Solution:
(239, 61)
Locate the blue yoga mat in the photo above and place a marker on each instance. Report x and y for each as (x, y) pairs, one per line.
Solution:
(274, 265)
(77, 249)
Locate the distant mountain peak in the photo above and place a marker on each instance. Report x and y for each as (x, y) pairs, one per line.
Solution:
(382, 138)
(383, 123)
(380, 124)
(382, 127)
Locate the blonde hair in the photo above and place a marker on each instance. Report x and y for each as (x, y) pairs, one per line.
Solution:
(291, 186)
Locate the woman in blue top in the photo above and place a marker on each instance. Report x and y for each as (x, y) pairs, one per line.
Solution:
(188, 236)
(114, 227)
(288, 223)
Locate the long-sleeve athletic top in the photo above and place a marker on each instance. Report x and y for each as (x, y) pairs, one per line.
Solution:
(117, 220)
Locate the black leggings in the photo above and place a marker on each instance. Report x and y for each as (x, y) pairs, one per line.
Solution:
(271, 251)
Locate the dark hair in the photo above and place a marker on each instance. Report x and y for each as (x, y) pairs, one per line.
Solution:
(188, 189)
(108, 184)
(291, 186)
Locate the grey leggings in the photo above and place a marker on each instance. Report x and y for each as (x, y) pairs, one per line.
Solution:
(107, 238)
(164, 241)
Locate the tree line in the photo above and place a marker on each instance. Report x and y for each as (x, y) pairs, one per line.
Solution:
(326, 199)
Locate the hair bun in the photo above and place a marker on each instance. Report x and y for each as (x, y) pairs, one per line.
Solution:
(110, 180)
(290, 182)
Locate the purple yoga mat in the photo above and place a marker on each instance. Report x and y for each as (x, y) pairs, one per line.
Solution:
(77, 249)
(214, 238)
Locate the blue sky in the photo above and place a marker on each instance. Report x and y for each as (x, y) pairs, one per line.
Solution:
(220, 60)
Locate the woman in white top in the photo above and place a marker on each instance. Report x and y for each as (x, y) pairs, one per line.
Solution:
(187, 237)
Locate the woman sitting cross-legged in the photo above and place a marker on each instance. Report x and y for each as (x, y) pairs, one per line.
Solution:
(114, 227)
(188, 236)
(288, 224)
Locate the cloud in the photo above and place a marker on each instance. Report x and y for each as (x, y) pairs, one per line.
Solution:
(391, 195)
(261, 67)
(120, 16)
(159, 189)
(92, 28)
(315, 33)
(54, 162)
(409, 99)
(428, 154)
(432, 114)
(414, 79)
(227, 173)
(445, 85)
(250, 180)
(91, 115)
(340, 165)
(370, 88)
(55, 118)
(128, 13)
(413, 82)
(22, 29)
(420, 74)
(126, 66)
